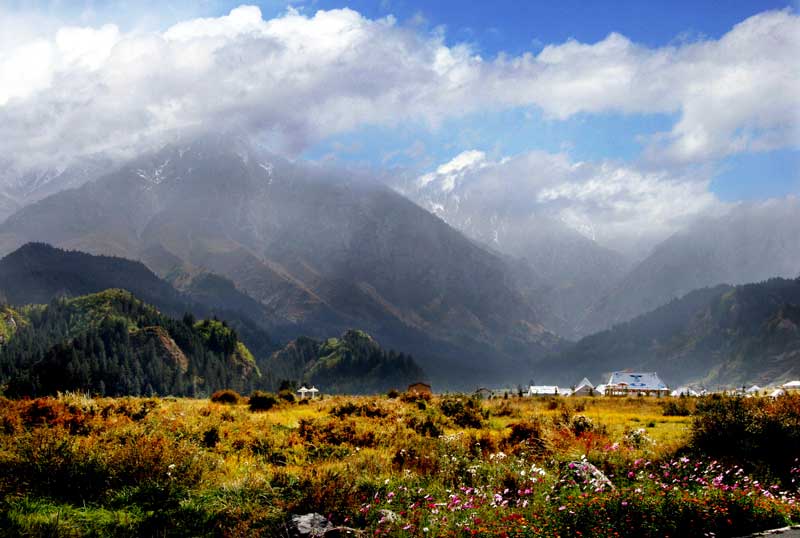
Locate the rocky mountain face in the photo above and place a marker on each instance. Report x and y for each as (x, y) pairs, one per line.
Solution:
(750, 244)
(320, 251)
(561, 270)
(723, 335)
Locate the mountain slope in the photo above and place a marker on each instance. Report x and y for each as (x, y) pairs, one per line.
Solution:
(331, 364)
(19, 187)
(750, 244)
(722, 335)
(561, 270)
(36, 273)
(320, 252)
(113, 343)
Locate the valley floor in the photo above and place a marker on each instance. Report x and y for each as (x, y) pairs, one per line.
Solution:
(403, 466)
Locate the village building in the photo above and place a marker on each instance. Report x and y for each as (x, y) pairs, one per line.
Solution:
(419, 388)
(791, 386)
(755, 390)
(544, 390)
(483, 393)
(584, 388)
(628, 383)
(685, 391)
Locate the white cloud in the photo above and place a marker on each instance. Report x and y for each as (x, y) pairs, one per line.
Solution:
(618, 205)
(302, 78)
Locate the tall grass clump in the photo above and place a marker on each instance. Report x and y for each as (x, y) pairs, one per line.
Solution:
(262, 401)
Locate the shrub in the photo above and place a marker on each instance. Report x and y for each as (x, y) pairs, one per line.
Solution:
(226, 396)
(411, 397)
(505, 410)
(425, 426)
(211, 437)
(676, 409)
(286, 395)
(762, 433)
(262, 401)
(393, 393)
(464, 412)
(370, 410)
(581, 424)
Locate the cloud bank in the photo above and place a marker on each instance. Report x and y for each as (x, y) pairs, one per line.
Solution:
(618, 205)
(301, 78)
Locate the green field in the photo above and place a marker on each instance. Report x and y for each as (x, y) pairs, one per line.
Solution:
(404, 466)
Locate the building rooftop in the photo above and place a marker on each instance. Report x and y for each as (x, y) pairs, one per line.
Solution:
(637, 380)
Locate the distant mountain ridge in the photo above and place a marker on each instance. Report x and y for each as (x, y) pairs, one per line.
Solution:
(751, 243)
(723, 335)
(19, 187)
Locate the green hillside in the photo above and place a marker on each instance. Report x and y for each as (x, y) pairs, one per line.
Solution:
(113, 343)
(352, 363)
(36, 273)
(715, 336)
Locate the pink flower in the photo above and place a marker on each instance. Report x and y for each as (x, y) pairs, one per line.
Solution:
(562, 508)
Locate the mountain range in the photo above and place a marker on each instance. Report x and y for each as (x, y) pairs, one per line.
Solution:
(751, 243)
(581, 287)
(321, 252)
(479, 289)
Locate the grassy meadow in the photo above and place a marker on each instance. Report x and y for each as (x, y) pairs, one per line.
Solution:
(403, 466)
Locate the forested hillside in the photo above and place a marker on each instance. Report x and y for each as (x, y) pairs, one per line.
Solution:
(722, 335)
(353, 363)
(37, 273)
(112, 343)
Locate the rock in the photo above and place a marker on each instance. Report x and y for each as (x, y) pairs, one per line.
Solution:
(587, 472)
(314, 525)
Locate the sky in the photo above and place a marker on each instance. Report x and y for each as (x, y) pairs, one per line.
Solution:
(645, 114)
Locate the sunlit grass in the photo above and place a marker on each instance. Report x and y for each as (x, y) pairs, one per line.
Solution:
(213, 468)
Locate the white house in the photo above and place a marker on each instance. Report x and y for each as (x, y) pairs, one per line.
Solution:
(584, 388)
(633, 383)
(791, 386)
(544, 390)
